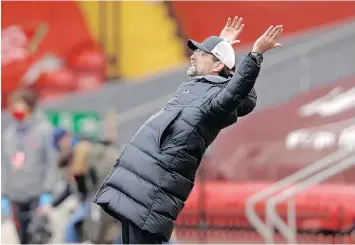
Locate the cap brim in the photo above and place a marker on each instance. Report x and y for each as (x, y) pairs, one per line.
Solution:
(193, 45)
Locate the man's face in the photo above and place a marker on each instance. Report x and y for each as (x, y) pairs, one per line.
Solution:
(203, 63)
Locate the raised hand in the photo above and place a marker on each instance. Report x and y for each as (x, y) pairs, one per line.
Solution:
(268, 40)
(232, 30)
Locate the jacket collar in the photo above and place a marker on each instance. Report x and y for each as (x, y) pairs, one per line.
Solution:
(212, 78)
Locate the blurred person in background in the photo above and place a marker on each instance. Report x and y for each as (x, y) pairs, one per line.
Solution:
(155, 173)
(86, 163)
(28, 163)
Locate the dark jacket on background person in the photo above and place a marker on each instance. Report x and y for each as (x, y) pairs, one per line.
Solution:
(155, 173)
(99, 160)
(37, 174)
(95, 161)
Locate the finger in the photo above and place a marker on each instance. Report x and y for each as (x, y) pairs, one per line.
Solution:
(266, 33)
(273, 37)
(239, 23)
(277, 34)
(277, 45)
(273, 31)
(234, 21)
(235, 42)
(239, 30)
(229, 21)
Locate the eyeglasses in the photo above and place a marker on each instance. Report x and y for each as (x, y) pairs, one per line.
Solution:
(201, 52)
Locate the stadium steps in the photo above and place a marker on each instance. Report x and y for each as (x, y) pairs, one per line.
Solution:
(139, 35)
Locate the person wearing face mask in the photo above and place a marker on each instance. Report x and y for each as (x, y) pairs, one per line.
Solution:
(28, 163)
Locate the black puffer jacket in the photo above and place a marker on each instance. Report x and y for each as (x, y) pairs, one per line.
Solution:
(155, 173)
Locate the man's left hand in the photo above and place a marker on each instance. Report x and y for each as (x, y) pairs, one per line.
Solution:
(232, 30)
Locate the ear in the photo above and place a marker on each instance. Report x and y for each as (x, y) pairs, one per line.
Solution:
(218, 67)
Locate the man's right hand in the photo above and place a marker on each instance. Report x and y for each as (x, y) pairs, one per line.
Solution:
(232, 30)
(268, 40)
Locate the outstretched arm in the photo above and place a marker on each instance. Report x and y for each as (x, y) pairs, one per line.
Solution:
(238, 88)
(230, 33)
(242, 82)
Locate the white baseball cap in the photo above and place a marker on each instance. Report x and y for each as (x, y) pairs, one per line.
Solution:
(217, 46)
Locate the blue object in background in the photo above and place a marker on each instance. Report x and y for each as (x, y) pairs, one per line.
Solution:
(80, 214)
(5, 207)
(45, 199)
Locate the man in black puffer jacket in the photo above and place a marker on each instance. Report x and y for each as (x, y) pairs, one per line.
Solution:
(154, 175)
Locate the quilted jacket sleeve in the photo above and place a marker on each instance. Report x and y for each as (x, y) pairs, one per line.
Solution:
(248, 105)
(238, 88)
